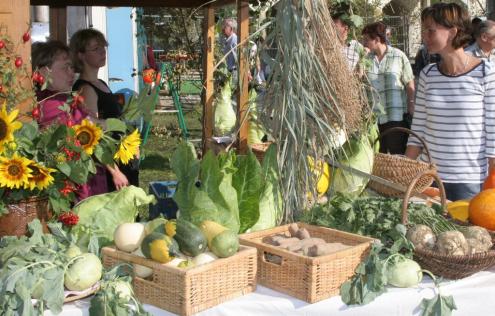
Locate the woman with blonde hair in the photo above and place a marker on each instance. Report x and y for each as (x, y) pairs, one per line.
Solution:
(455, 104)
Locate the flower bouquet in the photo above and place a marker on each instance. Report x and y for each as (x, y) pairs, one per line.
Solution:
(54, 161)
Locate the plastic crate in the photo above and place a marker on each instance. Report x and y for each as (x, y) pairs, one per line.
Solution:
(166, 206)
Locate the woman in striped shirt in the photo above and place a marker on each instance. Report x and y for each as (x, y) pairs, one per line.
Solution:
(455, 104)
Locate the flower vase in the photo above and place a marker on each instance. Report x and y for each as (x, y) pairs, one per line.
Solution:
(20, 214)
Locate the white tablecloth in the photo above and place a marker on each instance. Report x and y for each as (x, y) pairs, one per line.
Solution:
(474, 296)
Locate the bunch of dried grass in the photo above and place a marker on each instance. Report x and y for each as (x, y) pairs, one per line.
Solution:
(311, 97)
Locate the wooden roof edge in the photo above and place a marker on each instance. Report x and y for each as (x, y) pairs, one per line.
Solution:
(134, 3)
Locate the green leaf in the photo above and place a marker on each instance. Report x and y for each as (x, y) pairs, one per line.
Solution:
(438, 306)
(64, 168)
(115, 125)
(79, 172)
(247, 182)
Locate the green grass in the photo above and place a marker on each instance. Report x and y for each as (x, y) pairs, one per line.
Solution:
(161, 143)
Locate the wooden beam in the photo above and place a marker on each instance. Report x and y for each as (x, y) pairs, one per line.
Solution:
(58, 24)
(132, 3)
(208, 60)
(242, 96)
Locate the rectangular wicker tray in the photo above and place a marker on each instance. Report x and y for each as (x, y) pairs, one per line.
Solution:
(310, 279)
(189, 291)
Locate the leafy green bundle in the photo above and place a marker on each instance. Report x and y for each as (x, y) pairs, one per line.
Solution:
(232, 190)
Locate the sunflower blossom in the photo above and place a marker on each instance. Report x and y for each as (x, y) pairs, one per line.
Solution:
(41, 177)
(129, 147)
(8, 125)
(15, 172)
(88, 135)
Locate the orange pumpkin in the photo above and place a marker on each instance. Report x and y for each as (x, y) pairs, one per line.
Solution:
(482, 209)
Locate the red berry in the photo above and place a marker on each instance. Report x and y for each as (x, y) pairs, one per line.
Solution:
(36, 113)
(2, 44)
(1, 88)
(18, 61)
(26, 37)
(41, 79)
(70, 123)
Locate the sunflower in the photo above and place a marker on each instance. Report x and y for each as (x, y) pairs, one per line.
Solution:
(15, 172)
(129, 147)
(88, 135)
(8, 126)
(41, 176)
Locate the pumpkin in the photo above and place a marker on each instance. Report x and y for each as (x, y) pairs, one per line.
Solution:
(482, 209)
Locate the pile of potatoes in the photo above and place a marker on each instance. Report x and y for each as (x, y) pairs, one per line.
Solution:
(298, 240)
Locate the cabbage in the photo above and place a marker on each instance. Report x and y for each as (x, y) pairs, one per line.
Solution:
(359, 155)
(255, 129)
(225, 116)
(83, 272)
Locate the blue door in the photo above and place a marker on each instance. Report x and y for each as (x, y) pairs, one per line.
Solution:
(121, 49)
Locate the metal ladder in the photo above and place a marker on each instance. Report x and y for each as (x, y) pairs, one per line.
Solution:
(174, 89)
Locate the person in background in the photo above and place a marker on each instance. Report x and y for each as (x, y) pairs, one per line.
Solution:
(88, 47)
(484, 46)
(229, 27)
(352, 49)
(422, 59)
(474, 24)
(388, 36)
(390, 74)
(455, 104)
(52, 61)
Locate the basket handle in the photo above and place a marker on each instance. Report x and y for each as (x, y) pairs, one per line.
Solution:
(407, 131)
(410, 188)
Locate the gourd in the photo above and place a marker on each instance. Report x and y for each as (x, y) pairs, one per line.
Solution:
(459, 210)
(204, 258)
(170, 228)
(159, 247)
(190, 238)
(128, 236)
(139, 270)
(156, 225)
(322, 172)
(482, 210)
(221, 241)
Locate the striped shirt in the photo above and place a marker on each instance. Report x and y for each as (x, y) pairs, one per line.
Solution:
(456, 117)
(389, 78)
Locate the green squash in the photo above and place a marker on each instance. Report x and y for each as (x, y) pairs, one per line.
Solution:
(190, 238)
(159, 247)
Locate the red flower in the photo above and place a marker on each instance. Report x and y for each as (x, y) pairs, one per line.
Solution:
(68, 218)
(68, 188)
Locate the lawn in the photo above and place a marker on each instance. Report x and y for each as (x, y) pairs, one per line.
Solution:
(162, 141)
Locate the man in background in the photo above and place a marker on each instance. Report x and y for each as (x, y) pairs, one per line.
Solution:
(352, 49)
(484, 47)
(229, 27)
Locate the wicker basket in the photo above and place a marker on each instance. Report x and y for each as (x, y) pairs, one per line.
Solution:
(260, 149)
(189, 291)
(451, 267)
(22, 213)
(400, 169)
(310, 279)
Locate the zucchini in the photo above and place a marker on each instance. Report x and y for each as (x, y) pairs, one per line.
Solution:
(190, 238)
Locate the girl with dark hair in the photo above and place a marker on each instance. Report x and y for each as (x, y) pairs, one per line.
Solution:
(455, 104)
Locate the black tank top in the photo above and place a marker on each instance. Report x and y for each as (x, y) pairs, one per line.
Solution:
(108, 105)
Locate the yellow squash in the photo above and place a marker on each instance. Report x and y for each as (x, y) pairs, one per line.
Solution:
(459, 210)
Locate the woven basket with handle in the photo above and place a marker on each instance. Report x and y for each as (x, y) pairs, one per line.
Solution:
(400, 169)
(22, 213)
(451, 267)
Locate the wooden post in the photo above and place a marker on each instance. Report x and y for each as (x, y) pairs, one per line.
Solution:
(58, 24)
(208, 60)
(242, 97)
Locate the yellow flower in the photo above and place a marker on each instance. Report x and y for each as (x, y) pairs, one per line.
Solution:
(41, 176)
(129, 147)
(14, 172)
(8, 126)
(88, 134)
